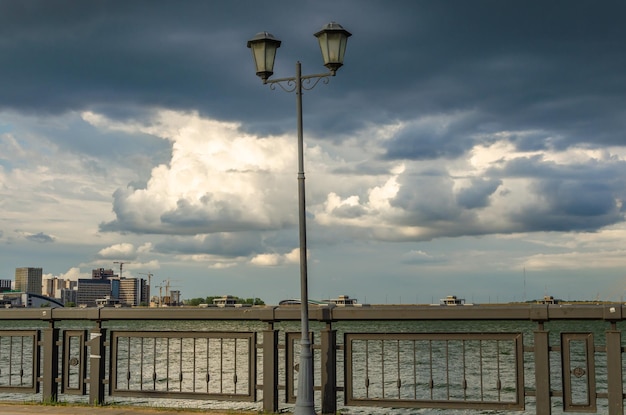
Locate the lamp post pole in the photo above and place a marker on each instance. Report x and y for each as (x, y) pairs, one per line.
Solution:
(305, 398)
(333, 40)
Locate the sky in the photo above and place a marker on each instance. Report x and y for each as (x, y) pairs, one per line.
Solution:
(475, 149)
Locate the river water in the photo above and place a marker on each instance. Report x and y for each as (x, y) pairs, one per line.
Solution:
(373, 369)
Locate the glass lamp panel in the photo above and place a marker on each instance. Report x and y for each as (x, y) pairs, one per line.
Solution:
(270, 55)
(264, 47)
(333, 40)
(336, 47)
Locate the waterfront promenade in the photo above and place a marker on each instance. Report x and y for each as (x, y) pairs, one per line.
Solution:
(27, 408)
(528, 358)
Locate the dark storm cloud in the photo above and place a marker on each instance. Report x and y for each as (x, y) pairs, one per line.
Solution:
(477, 195)
(73, 55)
(567, 197)
(229, 245)
(451, 74)
(554, 66)
(102, 147)
(583, 196)
(432, 139)
(600, 171)
(569, 206)
(212, 215)
(427, 199)
(115, 56)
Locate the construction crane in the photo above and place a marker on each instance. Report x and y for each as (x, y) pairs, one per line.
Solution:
(160, 287)
(167, 292)
(121, 266)
(173, 300)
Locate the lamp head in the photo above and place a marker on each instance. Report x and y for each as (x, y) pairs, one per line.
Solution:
(263, 46)
(333, 39)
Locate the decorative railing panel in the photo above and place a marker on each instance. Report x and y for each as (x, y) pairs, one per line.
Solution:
(74, 362)
(435, 370)
(191, 365)
(19, 361)
(579, 372)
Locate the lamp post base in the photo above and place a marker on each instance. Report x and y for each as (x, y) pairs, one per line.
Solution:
(305, 401)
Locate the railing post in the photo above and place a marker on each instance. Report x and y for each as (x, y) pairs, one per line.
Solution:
(50, 388)
(97, 359)
(614, 371)
(542, 371)
(270, 369)
(329, 370)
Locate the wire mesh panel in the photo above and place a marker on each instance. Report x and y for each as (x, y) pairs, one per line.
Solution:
(193, 365)
(19, 359)
(435, 370)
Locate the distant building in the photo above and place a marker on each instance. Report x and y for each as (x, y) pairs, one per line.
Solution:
(29, 280)
(89, 290)
(5, 285)
(68, 296)
(452, 300)
(548, 299)
(175, 297)
(108, 302)
(225, 301)
(290, 301)
(132, 291)
(343, 300)
(103, 274)
(30, 300)
(52, 287)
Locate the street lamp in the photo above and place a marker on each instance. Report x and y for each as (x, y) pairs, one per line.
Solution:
(332, 40)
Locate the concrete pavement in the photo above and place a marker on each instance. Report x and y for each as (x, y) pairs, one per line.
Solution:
(63, 409)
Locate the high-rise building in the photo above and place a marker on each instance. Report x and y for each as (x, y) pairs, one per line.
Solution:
(52, 286)
(133, 291)
(69, 296)
(28, 280)
(175, 297)
(89, 290)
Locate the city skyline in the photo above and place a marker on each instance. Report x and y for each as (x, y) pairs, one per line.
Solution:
(474, 149)
(53, 285)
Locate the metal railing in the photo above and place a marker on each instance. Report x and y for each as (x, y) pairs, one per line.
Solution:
(190, 365)
(436, 370)
(540, 367)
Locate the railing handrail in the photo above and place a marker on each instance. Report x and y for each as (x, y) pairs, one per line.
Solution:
(612, 312)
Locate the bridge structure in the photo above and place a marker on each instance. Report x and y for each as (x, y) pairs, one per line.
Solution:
(563, 357)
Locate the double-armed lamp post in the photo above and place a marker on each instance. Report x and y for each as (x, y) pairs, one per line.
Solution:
(332, 39)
